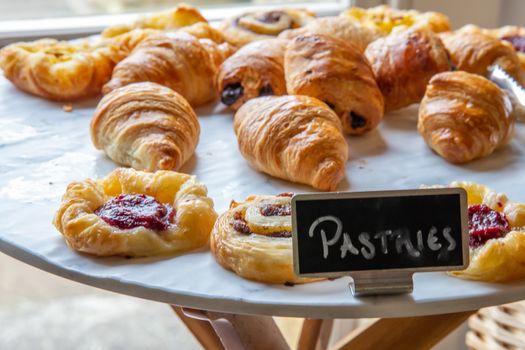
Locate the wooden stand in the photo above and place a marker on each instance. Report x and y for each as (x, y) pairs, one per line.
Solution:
(220, 331)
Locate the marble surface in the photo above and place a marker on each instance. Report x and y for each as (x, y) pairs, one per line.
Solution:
(43, 148)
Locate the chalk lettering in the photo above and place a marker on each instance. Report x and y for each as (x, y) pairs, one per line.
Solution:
(334, 239)
(432, 240)
(403, 240)
(368, 250)
(383, 235)
(347, 246)
(451, 241)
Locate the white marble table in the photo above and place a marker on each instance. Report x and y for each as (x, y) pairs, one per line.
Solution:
(42, 148)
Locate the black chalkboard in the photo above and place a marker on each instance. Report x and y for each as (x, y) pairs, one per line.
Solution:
(419, 230)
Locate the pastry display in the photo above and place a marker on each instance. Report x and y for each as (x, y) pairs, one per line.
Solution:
(475, 52)
(341, 28)
(464, 116)
(296, 138)
(254, 239)
(255, 70)
(58, 70)
(146, 126)
(386, 19)
(337, 73)
(132, 213)
(497, 235)
(264, 24)
(181, 16)
(181, 62)
(403, 63)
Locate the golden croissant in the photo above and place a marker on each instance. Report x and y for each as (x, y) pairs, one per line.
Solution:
(337, 73)
(255, 70)
(296, 138)
(403, 63)
(464, 116)
(146, 126)
(58, 70)
(475, 52)
(180, 61)
(178, 17)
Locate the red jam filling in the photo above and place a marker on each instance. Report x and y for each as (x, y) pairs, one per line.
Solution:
(517, 41)
(484, 224)
(133, 210)
(276, 210)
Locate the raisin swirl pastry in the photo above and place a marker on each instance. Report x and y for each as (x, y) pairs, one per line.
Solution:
(146, 126)
(465, 116)
(58, 70)
(255, 70)
(475, 52)
(497, 235)
(133, 213)
(259, 25)
(296, 138)
(403, 64)
(178, 17)
(254, 240)
(337, 73)
(180, 61)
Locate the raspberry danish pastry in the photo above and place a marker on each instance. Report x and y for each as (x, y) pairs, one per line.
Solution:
(497, 235)
(254, 239)
(296, 138)
(133, 213)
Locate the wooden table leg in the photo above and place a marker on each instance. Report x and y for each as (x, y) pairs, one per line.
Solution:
(403, 333)
(315, 334)
(201, 329)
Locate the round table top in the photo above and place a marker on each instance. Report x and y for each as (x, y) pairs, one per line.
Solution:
(43, 148)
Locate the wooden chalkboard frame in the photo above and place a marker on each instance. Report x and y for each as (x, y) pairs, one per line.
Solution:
(400, 275)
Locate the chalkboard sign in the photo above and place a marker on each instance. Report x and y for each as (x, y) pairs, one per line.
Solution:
(338, 234)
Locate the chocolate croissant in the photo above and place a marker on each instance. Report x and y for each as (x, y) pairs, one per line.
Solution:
(337, 73)
(476, 52)
(464, 116)
(146, 126)
(403, 63)
(264, 24)
(296, 138)
(255, 70)
(58, 70)
(180, 61)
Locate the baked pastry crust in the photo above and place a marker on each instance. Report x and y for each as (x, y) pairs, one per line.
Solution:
(255, 70)
(475, 52)
(465, 116)
(403, 63)
(264, 24)
(146, 126)
(386, 19)
(86, 232)
(338, 27)
(296, 138)
(337, 73)
(499, 259)
(180, 61)
(178, 17)
(256, 255)
(58, 70)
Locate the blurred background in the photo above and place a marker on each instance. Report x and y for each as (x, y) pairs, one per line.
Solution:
(41, 311)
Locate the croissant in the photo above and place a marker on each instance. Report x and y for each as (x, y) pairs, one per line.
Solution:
(133, 213)
(181, 16)
(58, 70)
(254, 239)
(296, 138)
(337, 73)
(475, 52)
(386, 19)
(181, 62)
(403, 63)
(264, 24)
(464, 116)
(255, 70)
(338, 27)
(146, 126)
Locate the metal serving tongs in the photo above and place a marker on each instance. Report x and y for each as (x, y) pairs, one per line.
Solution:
(515, 91)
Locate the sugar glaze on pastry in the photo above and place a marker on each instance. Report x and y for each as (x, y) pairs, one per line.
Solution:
(133, 213)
